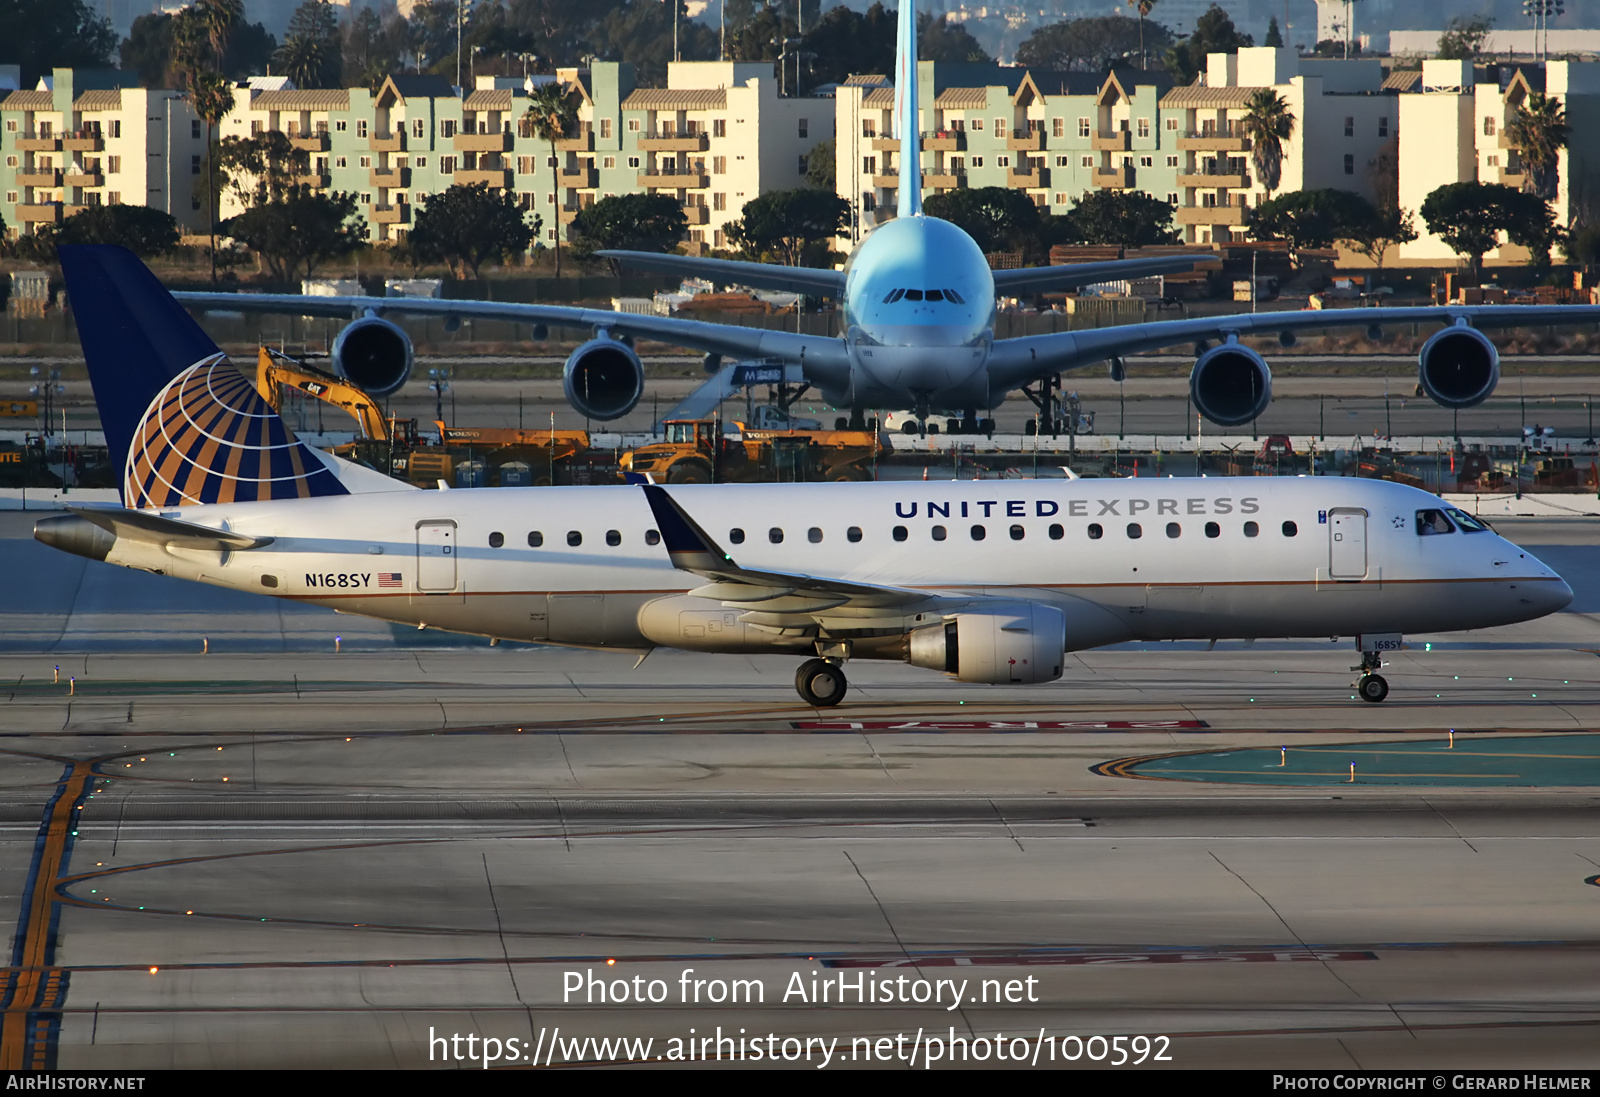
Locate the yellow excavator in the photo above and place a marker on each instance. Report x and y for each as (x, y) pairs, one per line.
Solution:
(276, 372)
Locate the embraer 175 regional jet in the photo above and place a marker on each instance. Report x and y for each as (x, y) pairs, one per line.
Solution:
(986, 581)
(917, 300)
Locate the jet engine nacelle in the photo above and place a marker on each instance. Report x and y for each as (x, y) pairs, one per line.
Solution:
(1018, 644)
(1458, 367)
(1230, 384)
(603, 379)
(374, 355)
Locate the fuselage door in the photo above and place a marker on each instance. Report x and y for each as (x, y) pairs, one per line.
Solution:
(1347, 543)
(436, 556)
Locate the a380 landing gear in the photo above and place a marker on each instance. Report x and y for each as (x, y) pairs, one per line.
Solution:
(820, 683)
(1371, 686)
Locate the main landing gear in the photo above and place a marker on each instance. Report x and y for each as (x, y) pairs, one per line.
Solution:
(820, 683)
(1371, 686)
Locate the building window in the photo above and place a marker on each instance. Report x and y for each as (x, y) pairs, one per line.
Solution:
(869, 201)
(719, 202)
(719, 165)
(361, 127)
(977, 123)
(1083, 127)
(194, 165)
(194, 129)
(1088, 162)
(1349, 127)
(802, 167)
(977, 161)
(11, 197)
(1383, 127)
(419, 128)
(804, 127)
(422, 161)
(1488, 125)
(447, 165)
(366, 161)
(1002, 161)
(11, 125)
(633, 161)
(1058, 127)
(114, 198)
(633, 125)
(1144, 127)
(447, 128)
(1172, 161)
(1349, 164)
(1172, 124)
(11, 161)
(524, 165)
(1147, 161)
(341, 125)
(366, 198)
(1059, 199)
(1172, 199)
(609, 162)
(1062, 161)
(339, 162)
(605, 129)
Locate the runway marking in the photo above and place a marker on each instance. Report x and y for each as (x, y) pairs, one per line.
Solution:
(998, 725)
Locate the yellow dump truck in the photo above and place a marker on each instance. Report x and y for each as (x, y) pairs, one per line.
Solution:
(697, 451)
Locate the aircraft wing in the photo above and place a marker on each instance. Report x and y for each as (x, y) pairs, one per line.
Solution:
(1009, 283)
(1015, 362)
(808, 280)
(774, 593)
(821, 354)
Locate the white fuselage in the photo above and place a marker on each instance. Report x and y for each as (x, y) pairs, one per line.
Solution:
(1213, 558)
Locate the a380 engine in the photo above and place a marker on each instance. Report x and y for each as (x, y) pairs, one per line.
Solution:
(374, 355)
(603, 379)
(1230, 384)
(1013, 644)
(1458, 367)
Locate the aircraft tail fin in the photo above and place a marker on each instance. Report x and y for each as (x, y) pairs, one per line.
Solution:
(907, 118)
(182, 423)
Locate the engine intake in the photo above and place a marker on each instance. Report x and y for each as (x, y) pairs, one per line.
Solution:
(1230, 384)
(1017, 644)
(1458, 367)
(603, 379)
(374, 355)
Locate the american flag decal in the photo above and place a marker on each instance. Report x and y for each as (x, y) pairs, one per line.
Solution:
(388, 579)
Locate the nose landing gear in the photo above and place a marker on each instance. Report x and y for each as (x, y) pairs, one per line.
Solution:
(820, 683)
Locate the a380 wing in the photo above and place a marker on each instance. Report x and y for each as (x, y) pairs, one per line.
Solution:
(1015, 362)
(822, 353)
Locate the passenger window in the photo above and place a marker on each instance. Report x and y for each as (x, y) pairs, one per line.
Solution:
(574, 538)
(535, 539)
(496, 540)
(979, 533)
(814, 535)
(775, 535)
(1173, 530)
(1016, 533)
(1251, 529)
(1213, 530)
(1134, 531)
(900, 533)
(938, 533)
(1290, 529)
(613, 537)
(853, 534)
(1096, 531)
(1057, 531)
(651, 537)
(1432, 522)
(736, 536)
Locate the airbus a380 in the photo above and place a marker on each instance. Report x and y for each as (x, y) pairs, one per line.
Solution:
(917, 300)
(983, 581)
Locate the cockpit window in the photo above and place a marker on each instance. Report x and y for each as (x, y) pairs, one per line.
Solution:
(952, 295)
(1467, 522)
(1431, 522)
(932, 295)
(894, 295)
(913, 295)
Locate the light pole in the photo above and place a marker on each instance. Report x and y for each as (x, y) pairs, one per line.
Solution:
(439, 384)
(45, 390)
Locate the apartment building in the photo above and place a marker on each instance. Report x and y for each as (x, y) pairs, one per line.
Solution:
(94, 137)
(716, 136)
(1057, 136)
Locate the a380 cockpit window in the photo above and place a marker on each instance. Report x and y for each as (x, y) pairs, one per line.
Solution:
(1466, 522)
(1433, 522)
(924, 295)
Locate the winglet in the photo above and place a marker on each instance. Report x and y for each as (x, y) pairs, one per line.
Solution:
(688, 546)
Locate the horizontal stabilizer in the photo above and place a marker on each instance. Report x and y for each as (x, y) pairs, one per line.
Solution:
(91, 532)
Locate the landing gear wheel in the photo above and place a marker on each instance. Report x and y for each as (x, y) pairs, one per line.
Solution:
(820, 683)
(1372, 688)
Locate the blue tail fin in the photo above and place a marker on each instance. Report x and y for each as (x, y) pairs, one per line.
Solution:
(907, 118)
(184, 425)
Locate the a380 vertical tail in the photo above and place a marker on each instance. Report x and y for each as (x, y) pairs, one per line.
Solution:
(907, 119)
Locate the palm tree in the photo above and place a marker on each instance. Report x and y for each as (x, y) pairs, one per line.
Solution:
(552, 114)
(1143, 7)
(1538, 131)
(1268, 123)
(219, 17)
(212, 99)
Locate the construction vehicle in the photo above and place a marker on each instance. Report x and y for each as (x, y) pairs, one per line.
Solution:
(697, 451)
(1563, 473)
(277, 372)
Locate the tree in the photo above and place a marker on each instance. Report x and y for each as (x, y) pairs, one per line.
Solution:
(1274, 34)
(1268, 123)
(628, 222)
(1091, 44)
(1214, 32)
(1581, 246)
(140, 229)
(148, 50)
(1464, 37)
(312, 50)
(45, 34)
(213, 99)
(471, 225)
(789, 223)
(219, 18)
(845, 42)
(997, 218)
(1386, 228)
(1129, 218)
(1144, 8)
(940, 40)
(1538, 131)
(304, 228)
(1470, 217)
(552, 114)
(642, 35)
(261, 169)
(820, 165)
(1312, 218)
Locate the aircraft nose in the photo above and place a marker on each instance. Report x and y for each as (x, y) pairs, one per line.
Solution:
(1554, 596)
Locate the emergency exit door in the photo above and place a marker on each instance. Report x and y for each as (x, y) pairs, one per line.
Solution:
(1347, 544)
(436, 556)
